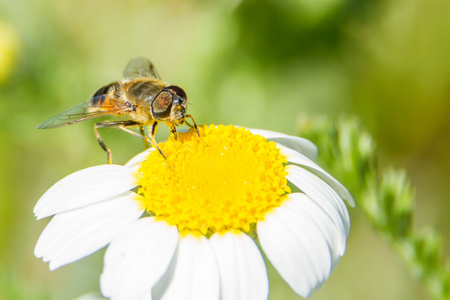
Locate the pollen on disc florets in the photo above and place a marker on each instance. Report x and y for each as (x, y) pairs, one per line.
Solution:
(225, 180)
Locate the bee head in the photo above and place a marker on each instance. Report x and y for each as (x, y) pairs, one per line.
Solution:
(170, 105)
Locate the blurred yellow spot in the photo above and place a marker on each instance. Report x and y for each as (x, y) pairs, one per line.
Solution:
(9, 45)
(226, 180)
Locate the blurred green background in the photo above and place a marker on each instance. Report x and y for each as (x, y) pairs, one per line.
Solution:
(252, 63)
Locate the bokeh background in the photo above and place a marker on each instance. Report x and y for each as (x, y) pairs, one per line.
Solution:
(253, 63)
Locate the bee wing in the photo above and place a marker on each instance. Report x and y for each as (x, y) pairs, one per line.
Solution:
(140, 67)
(93, 108)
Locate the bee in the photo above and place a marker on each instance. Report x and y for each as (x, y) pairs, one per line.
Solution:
(142, 97)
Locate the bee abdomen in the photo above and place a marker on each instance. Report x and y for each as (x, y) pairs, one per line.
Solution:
(103, 90)
(99, 98)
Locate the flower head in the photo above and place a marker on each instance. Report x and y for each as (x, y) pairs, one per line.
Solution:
(227, 180)
(180, 227)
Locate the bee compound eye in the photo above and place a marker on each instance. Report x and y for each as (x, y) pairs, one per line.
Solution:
(176, 90)
(162, 105)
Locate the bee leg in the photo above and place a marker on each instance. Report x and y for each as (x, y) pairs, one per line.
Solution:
(152, 140)
(195, 124)
(123, 126)
(141, 128)
(102, 144)
(173, 131)
(152, 137)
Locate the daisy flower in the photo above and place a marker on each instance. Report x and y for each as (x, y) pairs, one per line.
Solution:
(191, 226)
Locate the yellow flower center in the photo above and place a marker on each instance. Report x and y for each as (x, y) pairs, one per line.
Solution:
(226, 180)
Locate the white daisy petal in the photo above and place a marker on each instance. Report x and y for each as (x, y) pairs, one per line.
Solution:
(296, 248)
(135, 162)
(308, 209)
(298, 158)
(85, 187)
(73, 235)
(299, 144)
(321, 193)
(137, 258)
(147, 296)
(243, 274)
(194, 273)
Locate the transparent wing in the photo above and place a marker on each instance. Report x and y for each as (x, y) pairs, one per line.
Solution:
(93, 108)
(140, 67)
